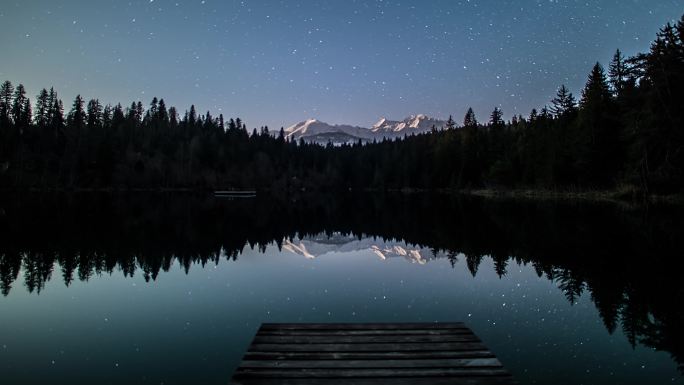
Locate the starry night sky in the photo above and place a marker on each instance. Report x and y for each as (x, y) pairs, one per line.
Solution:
(279, 62)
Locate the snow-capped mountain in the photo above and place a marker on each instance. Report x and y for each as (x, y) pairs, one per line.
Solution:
(414, 124)
(313, 130)
(322, 245)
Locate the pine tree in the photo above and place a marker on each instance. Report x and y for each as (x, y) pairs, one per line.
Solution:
(154, 108)
(26, 116)
(545, 113)
(596, 91)
(139, 112)
(617, 73)
(173, 117)
(496, 118)
(660, 137)
(450, 123)
(6, 131)
(469, 119)
(57, 115)
(208, 121)
(162, 113)
(18, 113)
(52, 98)
(131, 113)
(73, 154)
(107, 117)
(94, 114)
(469, 174)
(42, 118)
(598, 156)
(6, 93)
(192, 116)
(77, 116)
(563, 103)
(118, 115)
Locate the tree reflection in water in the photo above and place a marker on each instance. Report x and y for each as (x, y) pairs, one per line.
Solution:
(626, 259)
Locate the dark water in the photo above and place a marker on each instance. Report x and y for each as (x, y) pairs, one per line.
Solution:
(156, 289)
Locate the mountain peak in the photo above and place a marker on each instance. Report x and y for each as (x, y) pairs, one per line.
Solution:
(380, 122)
(314, 130)
(414, 124)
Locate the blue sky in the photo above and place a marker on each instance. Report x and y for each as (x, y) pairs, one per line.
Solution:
(279, 62)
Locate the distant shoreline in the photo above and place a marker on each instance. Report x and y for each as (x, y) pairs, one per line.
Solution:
(615, 196)
(625, 195)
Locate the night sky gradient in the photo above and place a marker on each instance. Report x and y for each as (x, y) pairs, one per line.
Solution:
(279, 62)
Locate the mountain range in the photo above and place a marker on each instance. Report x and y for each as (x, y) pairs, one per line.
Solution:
(315, 131)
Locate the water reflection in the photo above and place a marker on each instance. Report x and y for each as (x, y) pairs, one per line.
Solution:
(625, 260)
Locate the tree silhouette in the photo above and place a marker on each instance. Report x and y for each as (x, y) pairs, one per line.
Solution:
(469, 119)
(618, 73)
(496, 118)
(450, 123)
(21, 109)
(599, 149)
(43, 106)
(564, 102)
(6, 95)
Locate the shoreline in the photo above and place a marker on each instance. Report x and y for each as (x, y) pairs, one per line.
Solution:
(612, 196)
(619, 196)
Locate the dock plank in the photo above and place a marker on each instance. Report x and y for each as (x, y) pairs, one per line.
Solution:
(372, 372)
(357, 326)
(406, 363)
(363, 332)
(369, 353)
(337, 339)
(381, 347)
(495, 380)
(366, 355)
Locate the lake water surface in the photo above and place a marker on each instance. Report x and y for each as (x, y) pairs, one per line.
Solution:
(156, 289)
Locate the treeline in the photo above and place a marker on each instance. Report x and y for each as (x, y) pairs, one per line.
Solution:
(625, 131)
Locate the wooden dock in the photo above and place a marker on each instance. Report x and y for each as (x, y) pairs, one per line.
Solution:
(364, 354)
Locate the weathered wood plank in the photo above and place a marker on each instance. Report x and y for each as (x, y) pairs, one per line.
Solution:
(335, 339)
(414, 363)
(430, 347)
(357, 326)
(369, 353)
(498, 380)
(366, 332)
(366, 355)
(365, 373)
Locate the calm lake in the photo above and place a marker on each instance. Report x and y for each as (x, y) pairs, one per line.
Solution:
(170, 289)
